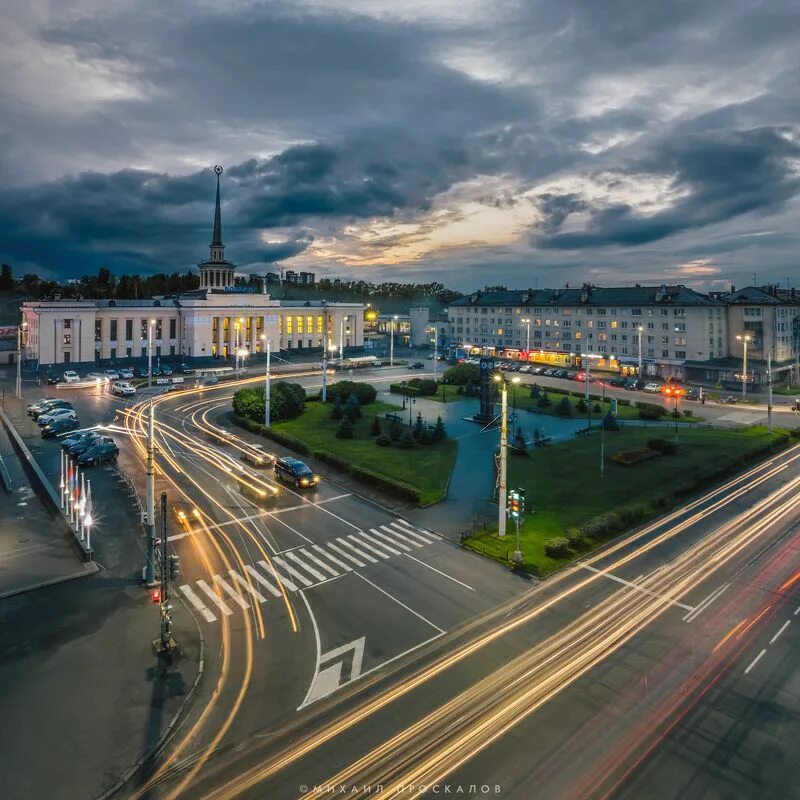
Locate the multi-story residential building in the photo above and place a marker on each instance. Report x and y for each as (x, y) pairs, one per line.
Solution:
(216, 321)
(664, 326)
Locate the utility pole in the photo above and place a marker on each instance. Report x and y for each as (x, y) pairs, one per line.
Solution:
(169, 568)
(150, 523)
(325, 370)
(341, 340)
(150, 325)
(501, 516)
(267, 387)
(639, 376)
(391, 341)
(769, 390)
(435, 353)
(19, 360)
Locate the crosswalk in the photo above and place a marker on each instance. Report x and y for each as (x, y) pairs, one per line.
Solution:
(303, 567)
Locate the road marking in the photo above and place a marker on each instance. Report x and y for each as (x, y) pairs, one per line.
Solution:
(393, 542)
(701, 607)
(416, 535)
(197, 603)
(360, 540)
(341, 564)
(309, 505)
(310, 570)
(342, 553)
(450, 577)
(214, 597)
(783, 628)
(395, 533)
(423, 531)
(277, 575)
(219, 580)
(321, 564)
(237, 578)
(391, 547)
(356, 550)
(634, 586)
(292, 571)
(400, 603)
(263, 581)
(755, 661)
(797, 611)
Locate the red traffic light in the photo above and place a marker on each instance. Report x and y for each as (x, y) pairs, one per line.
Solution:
(155, 595)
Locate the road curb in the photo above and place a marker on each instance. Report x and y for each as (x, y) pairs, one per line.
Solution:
(91, 569)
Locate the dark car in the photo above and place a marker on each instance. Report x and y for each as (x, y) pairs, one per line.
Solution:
(631, 384)
(58, 427)
(295, 471)
(82, 436)
(49, 404)
(618, 382)
(52, 380)
(104, 451)
(165, 370)
(728, 399)
(185, 369)
(88, 443)
(693, 393)
(416, 365)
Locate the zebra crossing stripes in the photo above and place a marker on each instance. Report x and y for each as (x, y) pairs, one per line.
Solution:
(303, 567)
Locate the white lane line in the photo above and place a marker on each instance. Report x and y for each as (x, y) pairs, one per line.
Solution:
(395, 534)
(634, 586)
(444, 574)
(340, 564)
(256, 575)
(408, 532)
(270, 568)
(702, 606)
(247, 585)
(309, 505)
(321, 564)
(783, 628)
(214, 597)
(797, 611)
(393, 542)
(350, 546)
(197, 603)
(292, 571)
(400, 603)
(361, 541)
(310, 570)
(318, 646)
(421, 531)
(220, 581)
(755, 661)
(343, 554)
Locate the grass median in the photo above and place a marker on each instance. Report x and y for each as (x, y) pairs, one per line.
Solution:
(564, 487)
(426, 468)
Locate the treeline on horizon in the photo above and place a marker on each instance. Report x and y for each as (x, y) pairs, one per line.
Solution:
(105, 285)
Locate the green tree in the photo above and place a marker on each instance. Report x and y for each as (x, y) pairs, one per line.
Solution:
(375, 428)
(462, 374)
(519, 446)
(407, 440)
(610, 422)
(6, 278)
(581, 406)
(364, 392)
(564, 408)
(535, 391)
(287, 401)
(345, 429)
(544, 401)
(337, 411)
(439, 432)
(419, 426)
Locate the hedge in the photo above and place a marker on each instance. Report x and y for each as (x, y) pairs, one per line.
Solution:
(270, 433)
(365, 392)
(404, 389)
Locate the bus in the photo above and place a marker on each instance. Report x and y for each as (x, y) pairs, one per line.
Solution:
(360, 362)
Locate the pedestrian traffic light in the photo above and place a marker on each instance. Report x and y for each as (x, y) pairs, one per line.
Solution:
(155, 595)
(174, 566)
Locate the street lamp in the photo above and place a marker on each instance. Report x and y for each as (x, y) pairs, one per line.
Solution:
(20, 328)
(745, 339)
(639, 376)
(527, 324)
(501, 514)
(391, 340)
(587, 357)
(150, 327)
(267, 386)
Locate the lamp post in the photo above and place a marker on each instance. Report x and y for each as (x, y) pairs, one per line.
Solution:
(503, 482)
(149, 575)
(527, 323)
(324, 393)
(435, 353)
(150, 326)
(20, 328)
(639, 376)
(391, 340)
(587, 357)
(341, 340)
(744, 338)
(769, 390)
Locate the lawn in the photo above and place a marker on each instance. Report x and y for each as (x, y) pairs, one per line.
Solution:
(425, 467)
(564, 487)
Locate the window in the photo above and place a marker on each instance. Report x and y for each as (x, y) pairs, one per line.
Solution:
(299, 324)
(143, 330)
(319, 323)
(112, 335)
(636, 312)
(128, 352)
(67, 338)
(158, 329)
(680, 354)
(113, 352)
(665, 354)
(172, 327)
(128, 330)
(98, 330)
(67, 324)
(289, 329)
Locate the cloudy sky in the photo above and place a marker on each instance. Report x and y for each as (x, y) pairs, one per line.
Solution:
(528, 142)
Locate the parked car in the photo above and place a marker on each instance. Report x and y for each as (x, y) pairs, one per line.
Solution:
(96, 376)
(70, 376)
(88, 442)
(46, 402)
(632, 383)
(122, 389)
(618, 382)
(185, 369)
(165, 370)
(210, 380)
(126, 372)
(60, 426)
(652, 387)
(570, 374)
(54, 414)
(50, 408)
(81, 436)
(111, 374)
(536, 370)
(52, 380)
(295, 471)
(416, 365)
(104, 451)
(140, 372)
(561, 373)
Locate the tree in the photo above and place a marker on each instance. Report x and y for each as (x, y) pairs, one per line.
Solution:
(395, 431)
(364, 392)
(581, 406)
(597, 408)
(419, 426)
(407, 440)
(337, 411)
(564, 408)
(287, 401)
(544, 401)
(462, 374)
(6, 278)
(610, 422)
(375, 428)
(352, 408)
(519, 446)
(345, 429)
(535, 391)
(439, 432)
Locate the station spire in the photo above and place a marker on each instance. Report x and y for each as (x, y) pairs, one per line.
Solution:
(217, 240)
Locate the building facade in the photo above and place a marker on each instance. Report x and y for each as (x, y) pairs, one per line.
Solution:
(216, 321)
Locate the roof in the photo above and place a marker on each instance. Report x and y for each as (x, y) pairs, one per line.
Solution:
(762, 296)
(587, 295)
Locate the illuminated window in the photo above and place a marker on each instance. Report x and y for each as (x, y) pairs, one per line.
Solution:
(289, 326)
(319, 323)
(299, 324)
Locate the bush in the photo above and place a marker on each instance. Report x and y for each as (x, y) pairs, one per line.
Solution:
(663, 446)
(564, 408)
(383, 440)
(687, 412)
(597, 408)
(287, 401)
(610, 422)
(365, 392)
(650, 411)
(581, 406)
(345, 429)
(375, 428)
(535, 391)
(544, 401)
(405, 389)
(425, 386)
(406, 440)
(352, 408)
(462, 374)
(276, 436)
(470, 390)
(395, 431)
(558, 547)
(576, 538)
(337, 412)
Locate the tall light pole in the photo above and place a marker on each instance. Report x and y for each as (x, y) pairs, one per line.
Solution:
(391, 340)
(266, 386)
(341, 340)
(587, 373)
(435, 353)
(22, 326)
(744, 338)
(150, 575)
(503, 482)
(325, 347)
(639, 376)
(527, 323)
(769, 390)
(150, 326)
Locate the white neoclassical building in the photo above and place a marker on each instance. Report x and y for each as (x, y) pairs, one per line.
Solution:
(214, 321)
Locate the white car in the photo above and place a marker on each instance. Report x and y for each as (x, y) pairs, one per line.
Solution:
(112, 374)
(96, 376)
(123, 389)
(70, 376)
(56, 413)
(126, 372)
(653, 388)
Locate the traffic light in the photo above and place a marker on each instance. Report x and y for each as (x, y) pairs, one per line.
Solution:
(155, 595)
(522, 504)
(174, 566)
(514, 503)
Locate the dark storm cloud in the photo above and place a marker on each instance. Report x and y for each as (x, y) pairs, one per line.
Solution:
(725, 175)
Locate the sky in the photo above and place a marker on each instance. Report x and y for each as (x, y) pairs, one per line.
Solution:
(521, 142)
